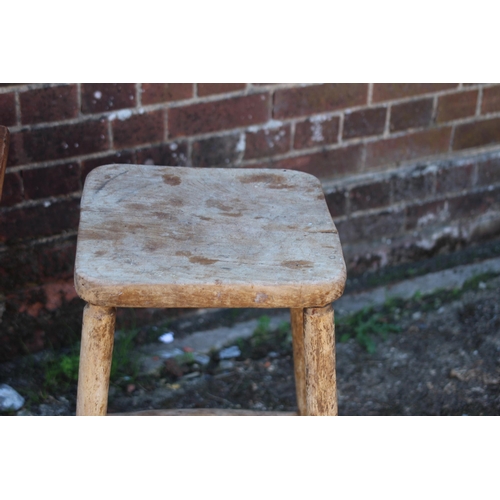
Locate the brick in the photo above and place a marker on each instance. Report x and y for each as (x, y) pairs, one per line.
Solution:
(138, 129)
(267, 142)
(300, 101)
(173, 154)
(477, 133)
(491, 100)
(392, 151)
(414, 185)
(423, 214)
(488, 172)
(336, 202)
(61, 141)
(153, 93)
(18, 266)
(216, 151)
(12, 189)
(51, 181)
(371, 227)
(389, 91)
(205, 89)
(316, 131)
(57, 261)
(326, 164)
(7, 109)
(373, 195)
(49, 104)
(218, 115)
(473, 204)
(366, 122)
(37, 221)
(456, 106)
(118, 157)
(411, 114)
(24, 265)
(100, 97)
(31, 321)
(453, 179)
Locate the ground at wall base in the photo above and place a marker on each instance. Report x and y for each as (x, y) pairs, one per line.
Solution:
(434, 355)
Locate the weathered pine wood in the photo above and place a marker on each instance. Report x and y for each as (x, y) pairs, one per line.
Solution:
(95, 360)
(299, 362)
(4, 150)
(319, 348)
(204, 412)
(154, 236)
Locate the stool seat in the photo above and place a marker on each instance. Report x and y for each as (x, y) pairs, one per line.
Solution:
(168, 237)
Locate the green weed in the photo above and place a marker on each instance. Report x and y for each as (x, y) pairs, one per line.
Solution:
(61, 371)
(124, 364)
(473, 283)
(186, 358)
(366, 325)
(369, 323)
(261, 333)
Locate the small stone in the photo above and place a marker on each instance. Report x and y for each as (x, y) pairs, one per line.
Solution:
(166, 338)
(24, 413)
(482, 285)
(202, 359)
(230, 352)
(226, 364)
(191, 375)
(416, 315)
(10, 399)
(171, 353)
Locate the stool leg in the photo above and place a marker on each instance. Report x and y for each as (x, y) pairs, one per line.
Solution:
(319, 349)
(299, 362)
(95, 360)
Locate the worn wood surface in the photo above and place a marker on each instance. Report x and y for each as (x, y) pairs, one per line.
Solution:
(297, 323)
(319, 348)
(205, 412)
(95, 360)
(153, 236)
(4, 150)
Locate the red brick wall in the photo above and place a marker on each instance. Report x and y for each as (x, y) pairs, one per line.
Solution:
(400, 163)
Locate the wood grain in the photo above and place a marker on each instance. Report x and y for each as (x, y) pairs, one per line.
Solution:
(153, 236)
(297, 323)
(95, 360)
(319, 347)
(4, 150)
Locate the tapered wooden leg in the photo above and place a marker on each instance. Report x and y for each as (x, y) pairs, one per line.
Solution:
(95, 360)
(299, 363)
(319, 349)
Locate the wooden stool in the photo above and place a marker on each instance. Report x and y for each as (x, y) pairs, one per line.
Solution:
(162, 237)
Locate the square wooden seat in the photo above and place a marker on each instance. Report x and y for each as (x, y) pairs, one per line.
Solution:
(164, 237)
